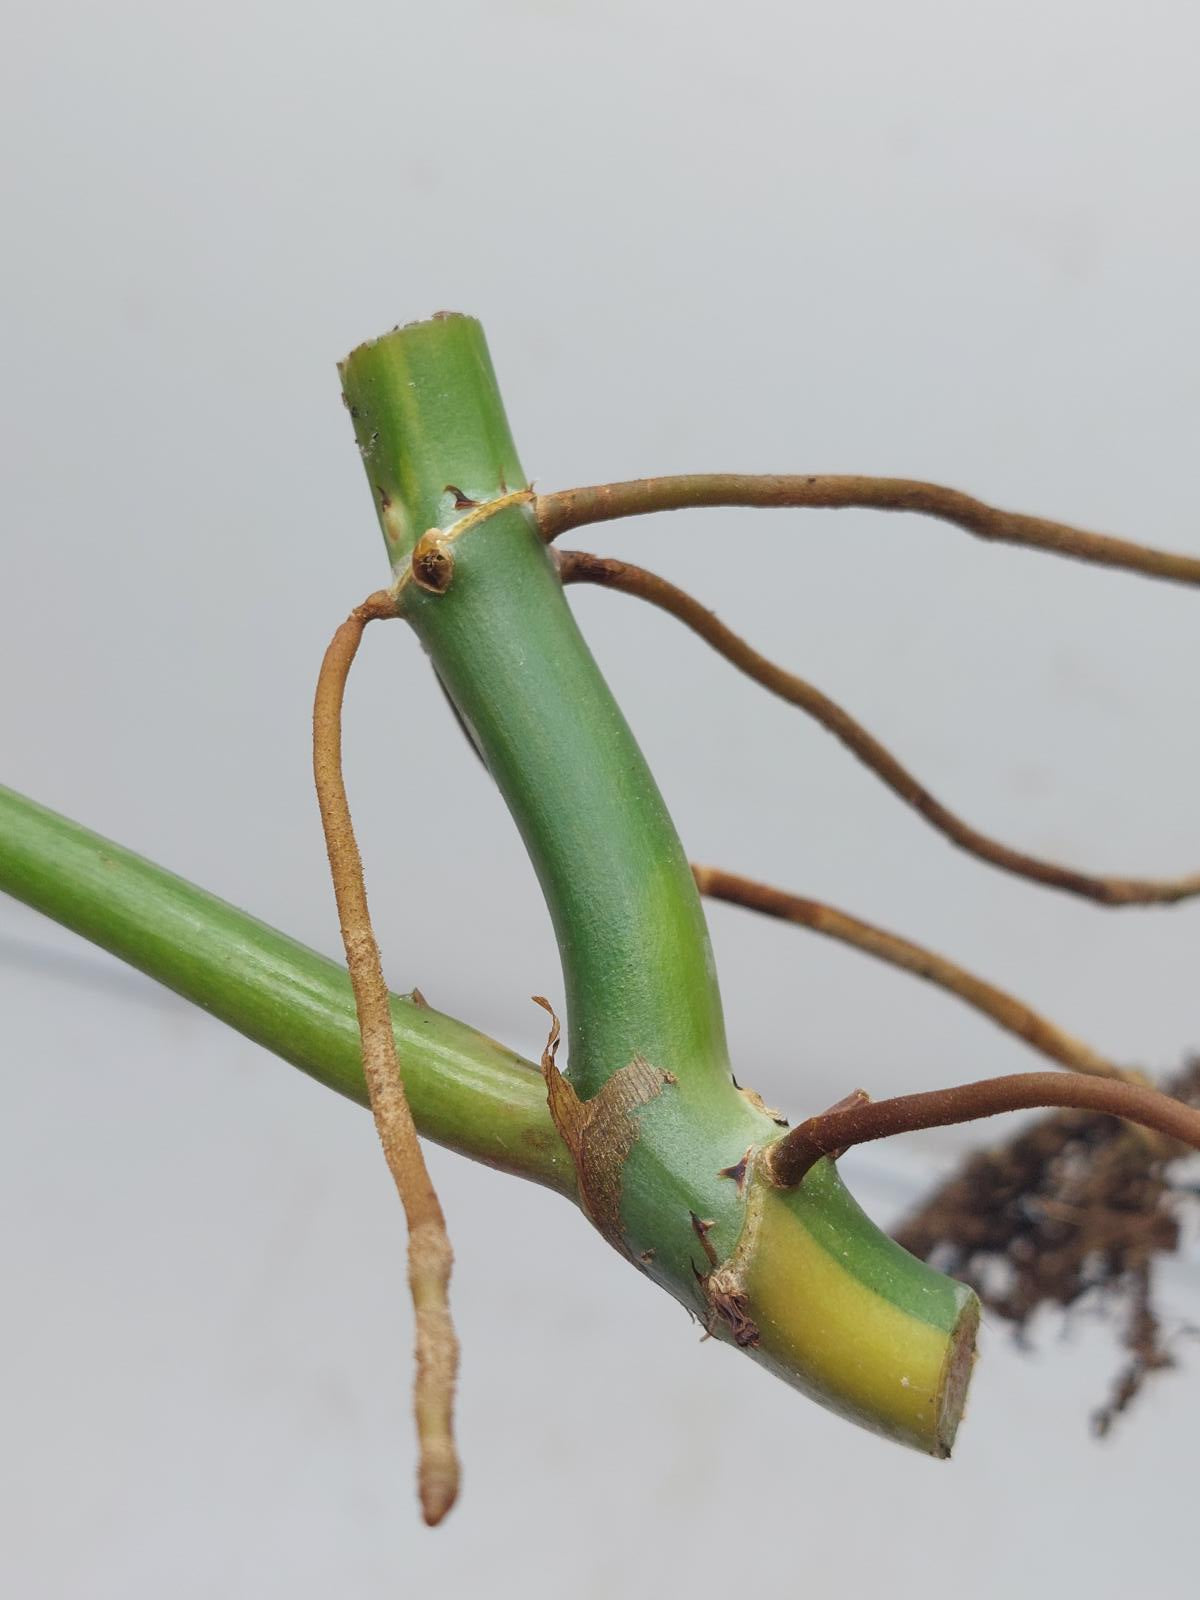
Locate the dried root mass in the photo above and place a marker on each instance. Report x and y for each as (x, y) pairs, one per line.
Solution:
(1077, 1208)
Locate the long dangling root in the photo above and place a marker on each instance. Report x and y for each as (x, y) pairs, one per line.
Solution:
(429, 1254)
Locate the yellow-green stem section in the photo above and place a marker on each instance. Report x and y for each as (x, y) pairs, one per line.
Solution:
(823, 1325)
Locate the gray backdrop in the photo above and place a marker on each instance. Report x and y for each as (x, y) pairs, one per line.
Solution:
(929, 239)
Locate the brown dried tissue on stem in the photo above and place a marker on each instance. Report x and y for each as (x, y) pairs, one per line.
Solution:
(599, 1132)
(578, 566)
(429, 1254)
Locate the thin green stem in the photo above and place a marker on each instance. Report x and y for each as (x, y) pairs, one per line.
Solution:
(467, 1092)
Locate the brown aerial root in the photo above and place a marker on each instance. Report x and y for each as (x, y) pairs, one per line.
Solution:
(859, 1121)
(577, 566)
(575, 508)
(1004, 1009)
(429, 1255)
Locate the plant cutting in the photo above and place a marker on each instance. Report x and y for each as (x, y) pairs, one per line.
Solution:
(651, 1130)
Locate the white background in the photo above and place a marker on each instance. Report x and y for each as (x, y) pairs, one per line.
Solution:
(949, 241)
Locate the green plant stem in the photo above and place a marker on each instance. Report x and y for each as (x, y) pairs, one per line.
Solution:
(664, 1141)
(467, 1092)
(798, 1278)
(850, 1312)
(637, 964)
(636, 956)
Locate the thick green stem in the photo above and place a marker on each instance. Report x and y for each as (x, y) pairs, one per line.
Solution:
(466, 1091)
(637, 964)
(664, 1141)
(660, 1146)
(636, 956)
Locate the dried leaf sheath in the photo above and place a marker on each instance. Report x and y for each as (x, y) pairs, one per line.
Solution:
(599, 1132)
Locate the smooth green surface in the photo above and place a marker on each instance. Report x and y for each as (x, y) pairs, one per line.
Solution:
(842, 1312)
(637, 963)
(827, 1210)
(638, 969)
(636, 956)
(842, 1345)
(847, 1316)
(466, 1091)
(427, 417)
